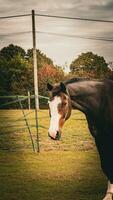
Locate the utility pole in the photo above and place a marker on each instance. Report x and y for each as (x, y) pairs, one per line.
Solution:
(35, 60)
(35, 76)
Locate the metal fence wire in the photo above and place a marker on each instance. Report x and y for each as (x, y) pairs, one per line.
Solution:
(18, 130)
(20, 127)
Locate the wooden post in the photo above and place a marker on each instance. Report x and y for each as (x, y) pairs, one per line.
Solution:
(29, 101)
(35, 76)
(35, 60)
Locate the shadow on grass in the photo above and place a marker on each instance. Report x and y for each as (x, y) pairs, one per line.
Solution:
(50, 175)
(14, 135)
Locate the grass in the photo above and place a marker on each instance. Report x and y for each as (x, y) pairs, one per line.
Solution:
(66, 170)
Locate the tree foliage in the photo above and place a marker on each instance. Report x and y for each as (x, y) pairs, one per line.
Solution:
(51, 74)
(11, 51)
(17, 75)
(12, 65)
(16, 71)
(89, 64)
(41, 58)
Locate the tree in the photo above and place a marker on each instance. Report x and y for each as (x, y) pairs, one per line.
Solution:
(11, 51)
(4, 77)
(89, 64)
(20, 76)
(16, 71)
(41, 58)
(12, 64)
(51, 74)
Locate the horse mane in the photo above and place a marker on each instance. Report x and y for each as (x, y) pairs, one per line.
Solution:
(77, 79)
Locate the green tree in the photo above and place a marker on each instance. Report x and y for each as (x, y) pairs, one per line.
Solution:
(11, 51)
(89, 64)
(4, 76)
(12, 64)
(20, 76)
(16, 71)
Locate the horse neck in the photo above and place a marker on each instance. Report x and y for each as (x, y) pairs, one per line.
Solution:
(84, 95)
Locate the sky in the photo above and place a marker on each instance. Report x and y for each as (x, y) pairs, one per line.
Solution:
(62, 50)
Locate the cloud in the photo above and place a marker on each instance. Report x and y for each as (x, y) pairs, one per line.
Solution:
(59, 48)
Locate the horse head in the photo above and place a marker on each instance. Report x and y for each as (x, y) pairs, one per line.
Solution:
(59, 109)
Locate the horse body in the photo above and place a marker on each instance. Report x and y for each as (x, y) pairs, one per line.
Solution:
(95, 100)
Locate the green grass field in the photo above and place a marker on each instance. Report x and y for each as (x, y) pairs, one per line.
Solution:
(63, 170)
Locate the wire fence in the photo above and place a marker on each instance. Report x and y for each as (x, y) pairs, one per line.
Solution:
(18, 128)
(5, 128)
(10, 101)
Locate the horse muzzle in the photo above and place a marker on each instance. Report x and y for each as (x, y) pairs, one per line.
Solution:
(56, 136)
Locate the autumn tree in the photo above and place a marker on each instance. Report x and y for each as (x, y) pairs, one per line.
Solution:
(51, 74)
(41, 58)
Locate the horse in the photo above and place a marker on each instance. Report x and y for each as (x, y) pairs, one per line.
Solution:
(95, 99)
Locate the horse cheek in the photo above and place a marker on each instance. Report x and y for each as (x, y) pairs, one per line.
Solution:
(61, 123)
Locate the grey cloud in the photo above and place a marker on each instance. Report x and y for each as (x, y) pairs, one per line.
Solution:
(51, 45)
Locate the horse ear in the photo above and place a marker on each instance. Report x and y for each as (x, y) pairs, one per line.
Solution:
(49, 86)
(63, 87)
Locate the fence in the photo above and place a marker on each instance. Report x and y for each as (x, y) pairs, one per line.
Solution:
(15, 135)
(12, 101)
(19, 131)
(19, 100)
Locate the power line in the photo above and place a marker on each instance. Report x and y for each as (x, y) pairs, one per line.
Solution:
(78, 36)
(15, 16)
(15, 33)
(59, 17)
(60, 35)
(74, 18)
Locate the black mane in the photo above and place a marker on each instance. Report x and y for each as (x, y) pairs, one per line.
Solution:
(73, 80)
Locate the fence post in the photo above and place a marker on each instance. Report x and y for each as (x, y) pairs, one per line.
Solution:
(29, 101)
(35, 76)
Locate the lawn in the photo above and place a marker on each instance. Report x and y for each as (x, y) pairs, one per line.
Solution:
(63, 170)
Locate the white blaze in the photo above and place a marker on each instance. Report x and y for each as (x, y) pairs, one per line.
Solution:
(55, 116)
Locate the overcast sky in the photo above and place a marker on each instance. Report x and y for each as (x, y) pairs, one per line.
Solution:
(60, 49)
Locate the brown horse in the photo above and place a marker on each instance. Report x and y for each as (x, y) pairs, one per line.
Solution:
(95, 100)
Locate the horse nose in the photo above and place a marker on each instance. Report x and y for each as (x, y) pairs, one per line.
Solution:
(53, 138)
(57, 136)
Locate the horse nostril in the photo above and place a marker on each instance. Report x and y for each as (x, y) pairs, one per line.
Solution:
(58, 135)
